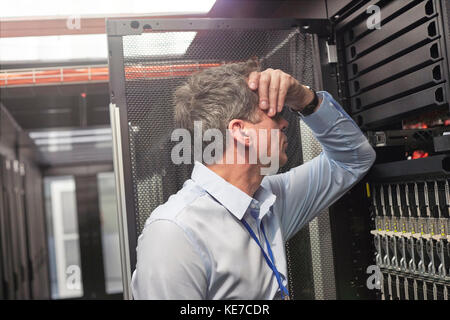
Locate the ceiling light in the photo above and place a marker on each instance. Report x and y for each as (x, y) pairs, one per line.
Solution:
(54, 48)
(69, 133)
(72, 140)
(84, 8)
(88, 47)
(159, 44)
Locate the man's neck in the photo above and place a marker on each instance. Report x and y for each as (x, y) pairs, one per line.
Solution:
(245, 177)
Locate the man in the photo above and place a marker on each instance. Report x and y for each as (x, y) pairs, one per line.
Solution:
(222, 236)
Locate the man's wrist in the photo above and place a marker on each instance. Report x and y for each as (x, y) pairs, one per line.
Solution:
(303, 99)
(312, 104)
(310, 96)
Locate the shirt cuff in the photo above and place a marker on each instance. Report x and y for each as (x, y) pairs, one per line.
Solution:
(325, 116)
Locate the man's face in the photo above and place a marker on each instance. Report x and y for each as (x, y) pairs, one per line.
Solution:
(278, 125)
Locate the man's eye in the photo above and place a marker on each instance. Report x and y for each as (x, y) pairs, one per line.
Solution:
(279, 116)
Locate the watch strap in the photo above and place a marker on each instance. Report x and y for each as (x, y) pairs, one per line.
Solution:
(309, 108)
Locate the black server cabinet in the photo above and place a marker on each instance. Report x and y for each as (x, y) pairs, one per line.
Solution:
(23, 249)
(144, 75)
(15, 222)
(394, 81)
(8, 285)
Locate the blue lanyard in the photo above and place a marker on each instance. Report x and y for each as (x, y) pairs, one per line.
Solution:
(284, 291)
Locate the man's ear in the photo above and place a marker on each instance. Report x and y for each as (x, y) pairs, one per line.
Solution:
(239, 131)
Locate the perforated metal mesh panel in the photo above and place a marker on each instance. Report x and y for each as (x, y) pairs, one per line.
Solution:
(153, 72)
(319, 232)
(156, 63)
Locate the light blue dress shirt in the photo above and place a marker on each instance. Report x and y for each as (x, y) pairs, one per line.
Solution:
(195, 246)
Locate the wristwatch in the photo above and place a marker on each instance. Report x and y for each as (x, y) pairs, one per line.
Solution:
(309, 108)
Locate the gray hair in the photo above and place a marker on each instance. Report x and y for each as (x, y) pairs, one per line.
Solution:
(217, 95)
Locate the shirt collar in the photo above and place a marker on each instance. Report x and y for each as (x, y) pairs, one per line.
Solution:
(265, 200)
(232, 198)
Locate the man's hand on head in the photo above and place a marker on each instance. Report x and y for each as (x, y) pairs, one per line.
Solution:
(276, 89)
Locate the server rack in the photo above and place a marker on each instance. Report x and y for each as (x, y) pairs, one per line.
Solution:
(23, 248)
(15, 224)
(141, 87)
(7, 261)
(387, 79)
(36, 233)
(394, 81)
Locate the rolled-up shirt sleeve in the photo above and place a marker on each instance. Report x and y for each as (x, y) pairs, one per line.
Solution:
(306, 190)
(168, 265)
